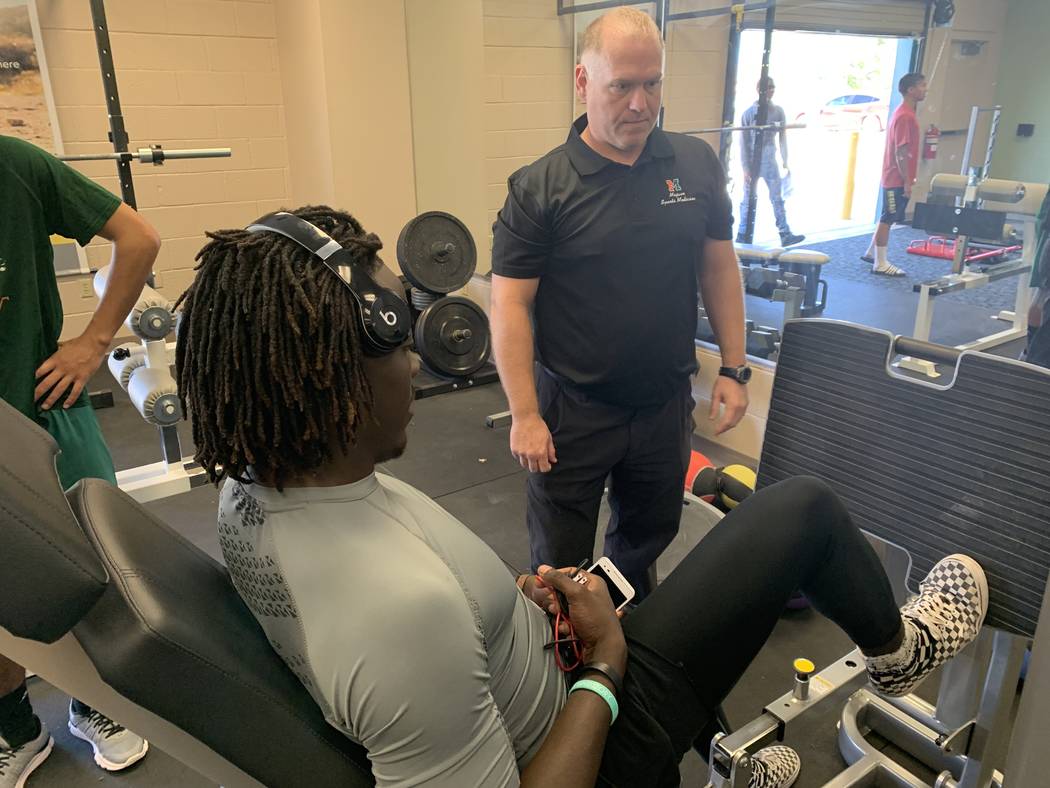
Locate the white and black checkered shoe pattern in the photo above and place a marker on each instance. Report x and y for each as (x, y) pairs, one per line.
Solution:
(774, 767)
(939, 623)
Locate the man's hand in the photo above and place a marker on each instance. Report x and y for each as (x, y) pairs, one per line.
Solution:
(68, 369)
(907, 190)
(531, 444)
(733, 396)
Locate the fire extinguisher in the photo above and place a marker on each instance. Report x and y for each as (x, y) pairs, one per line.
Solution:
(930, 142)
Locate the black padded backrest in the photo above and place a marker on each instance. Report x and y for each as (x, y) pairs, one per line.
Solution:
(49, 573)
(172, 635)
(932, 470)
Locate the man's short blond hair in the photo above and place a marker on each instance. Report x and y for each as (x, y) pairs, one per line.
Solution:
(624, 19)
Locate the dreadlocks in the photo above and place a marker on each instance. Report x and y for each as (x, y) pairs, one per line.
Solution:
(268, 357)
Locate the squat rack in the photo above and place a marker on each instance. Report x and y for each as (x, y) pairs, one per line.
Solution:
(171, 448)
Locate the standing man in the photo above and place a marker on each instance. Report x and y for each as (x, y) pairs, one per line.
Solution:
(597, 254)
(899, 165)
(768, 169)
(41, 196)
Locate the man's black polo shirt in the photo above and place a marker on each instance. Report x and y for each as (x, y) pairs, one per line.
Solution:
(615, 249)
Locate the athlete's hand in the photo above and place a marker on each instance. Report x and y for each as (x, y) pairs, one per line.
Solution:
(68, 369)
(541, 594)
(594, 619)
(531, 444)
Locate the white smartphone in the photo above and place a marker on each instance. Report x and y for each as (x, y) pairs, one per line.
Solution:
(620, 590)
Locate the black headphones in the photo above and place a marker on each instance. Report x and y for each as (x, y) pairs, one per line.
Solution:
(385, 319)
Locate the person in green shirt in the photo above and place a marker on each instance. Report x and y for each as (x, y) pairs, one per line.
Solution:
(40, 197)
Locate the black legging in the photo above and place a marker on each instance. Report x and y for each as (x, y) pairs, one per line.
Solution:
(696, 634)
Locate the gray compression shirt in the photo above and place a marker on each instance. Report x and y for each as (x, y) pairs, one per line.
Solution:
(407, 630)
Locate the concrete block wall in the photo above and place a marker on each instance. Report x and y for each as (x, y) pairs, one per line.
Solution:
(695, 79)
(528, 92)
(191, 74)
(959, 81)
(529, 97)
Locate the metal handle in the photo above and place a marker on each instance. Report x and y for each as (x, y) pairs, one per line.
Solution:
(151, 155)
(766, 127)
(917, 348)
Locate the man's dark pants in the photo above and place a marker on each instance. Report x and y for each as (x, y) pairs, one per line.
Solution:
(644, 455)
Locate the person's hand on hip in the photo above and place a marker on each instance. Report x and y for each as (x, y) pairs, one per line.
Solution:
(68, 369)
(733, 396)
(531, 444)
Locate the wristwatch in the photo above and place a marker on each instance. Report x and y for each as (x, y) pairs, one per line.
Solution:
(741, 374)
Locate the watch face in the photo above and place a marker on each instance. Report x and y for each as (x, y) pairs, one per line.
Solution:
(743, 374)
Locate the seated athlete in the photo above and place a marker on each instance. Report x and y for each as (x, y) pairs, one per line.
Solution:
(406, 628)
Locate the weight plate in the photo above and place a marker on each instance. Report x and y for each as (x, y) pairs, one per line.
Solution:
(452, 337)
(436, 252)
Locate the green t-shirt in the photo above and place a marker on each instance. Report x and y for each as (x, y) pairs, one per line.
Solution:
(39, 196)
(1041, 269)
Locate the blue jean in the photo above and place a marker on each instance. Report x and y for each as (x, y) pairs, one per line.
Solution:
(770, 173)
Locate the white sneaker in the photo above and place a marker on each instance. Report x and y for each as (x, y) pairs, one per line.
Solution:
(115, 746)
(939, 623)
(17, 763)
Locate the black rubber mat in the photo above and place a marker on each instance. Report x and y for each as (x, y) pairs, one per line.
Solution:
(963, 466)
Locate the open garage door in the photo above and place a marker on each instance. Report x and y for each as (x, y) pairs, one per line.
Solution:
(901, 18)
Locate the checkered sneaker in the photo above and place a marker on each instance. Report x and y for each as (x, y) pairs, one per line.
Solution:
(939, 623)
(774, 767)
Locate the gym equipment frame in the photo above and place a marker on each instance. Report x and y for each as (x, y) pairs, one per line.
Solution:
(939, 489)
(998, 200)
(143, 371)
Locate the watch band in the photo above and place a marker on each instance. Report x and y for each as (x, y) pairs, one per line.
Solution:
(741, 374)
(606, 670)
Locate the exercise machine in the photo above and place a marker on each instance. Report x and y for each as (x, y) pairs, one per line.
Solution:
(932, 481)
(982, 206)
(451, 335)
(110, 605)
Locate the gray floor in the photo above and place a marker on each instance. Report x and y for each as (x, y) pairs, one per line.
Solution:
(854, 294)
(845, 265)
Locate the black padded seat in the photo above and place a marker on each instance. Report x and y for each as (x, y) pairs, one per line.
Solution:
(171, 634)
(51, 576)
(158, 618)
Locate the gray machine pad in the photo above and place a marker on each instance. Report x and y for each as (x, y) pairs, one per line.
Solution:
(932, 469)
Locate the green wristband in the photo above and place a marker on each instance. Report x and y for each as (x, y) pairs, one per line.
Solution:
(602, 692)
